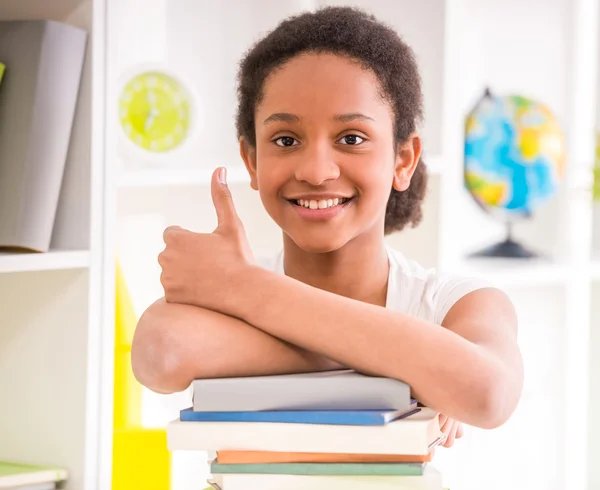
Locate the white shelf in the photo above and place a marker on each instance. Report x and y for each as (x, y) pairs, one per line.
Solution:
(514, 272)
(178, 177)
(165, 177)
(436, 164)
(53, 260)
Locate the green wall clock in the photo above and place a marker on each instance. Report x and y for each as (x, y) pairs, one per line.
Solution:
(155, 111)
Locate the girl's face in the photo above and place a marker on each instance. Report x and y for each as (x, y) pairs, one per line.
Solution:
(325, 160)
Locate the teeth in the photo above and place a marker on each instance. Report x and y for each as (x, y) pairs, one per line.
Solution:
(321, 204)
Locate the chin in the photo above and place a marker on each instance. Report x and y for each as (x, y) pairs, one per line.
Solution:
(319, 245)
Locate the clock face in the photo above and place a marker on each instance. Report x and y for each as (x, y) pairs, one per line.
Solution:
(154, 111)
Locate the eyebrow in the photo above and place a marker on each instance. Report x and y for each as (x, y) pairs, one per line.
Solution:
(353, 116)
(281, 116)
(287, 117)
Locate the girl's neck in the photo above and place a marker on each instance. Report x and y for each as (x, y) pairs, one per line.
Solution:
(359, 270)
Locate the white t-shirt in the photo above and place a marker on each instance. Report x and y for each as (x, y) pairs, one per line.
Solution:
(412, 288)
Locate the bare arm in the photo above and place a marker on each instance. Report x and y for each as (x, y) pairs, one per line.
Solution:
(175, 343)
(471, 370)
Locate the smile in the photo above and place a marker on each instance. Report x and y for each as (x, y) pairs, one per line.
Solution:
(321, 203)
(321, 209)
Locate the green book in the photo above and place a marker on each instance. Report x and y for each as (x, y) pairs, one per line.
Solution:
(2, 68)
(353, 469)
(14, 474)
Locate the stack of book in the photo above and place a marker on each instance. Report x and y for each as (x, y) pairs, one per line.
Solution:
(315, 431)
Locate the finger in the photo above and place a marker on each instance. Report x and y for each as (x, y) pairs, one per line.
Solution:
(442, 420)
(223, 201)
(460, 431)
(169, 230)
(450, 434)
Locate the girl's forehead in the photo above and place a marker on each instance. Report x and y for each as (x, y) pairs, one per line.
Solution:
(322, 80)
(324, 67)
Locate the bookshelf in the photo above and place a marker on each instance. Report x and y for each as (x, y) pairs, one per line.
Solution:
(57, 331)
(181, 177)
(51, 303)
(53, 260)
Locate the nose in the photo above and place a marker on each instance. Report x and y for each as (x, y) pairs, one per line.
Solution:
(316, 165)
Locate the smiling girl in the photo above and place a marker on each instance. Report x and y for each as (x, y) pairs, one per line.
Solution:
(329, 104)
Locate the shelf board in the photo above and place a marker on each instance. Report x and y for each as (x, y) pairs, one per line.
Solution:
(435, 164)
(53, 260)
(148, 178)
(514, 272)
(180, 177)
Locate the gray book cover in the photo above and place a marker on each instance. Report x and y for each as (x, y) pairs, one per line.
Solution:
(330, 390)
(44, 63)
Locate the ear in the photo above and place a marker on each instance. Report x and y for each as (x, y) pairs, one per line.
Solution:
(248, 154)
(407, 158)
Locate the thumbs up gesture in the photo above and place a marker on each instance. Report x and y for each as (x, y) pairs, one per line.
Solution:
(202, 269)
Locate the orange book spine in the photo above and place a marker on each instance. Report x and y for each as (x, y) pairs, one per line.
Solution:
(258, 457)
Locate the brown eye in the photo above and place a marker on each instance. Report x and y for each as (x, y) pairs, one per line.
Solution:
(351, 140)
(285, 141)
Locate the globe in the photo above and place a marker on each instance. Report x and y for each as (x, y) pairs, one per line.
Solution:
(514, 156)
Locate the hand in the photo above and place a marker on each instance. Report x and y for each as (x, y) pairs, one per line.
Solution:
(202, 268)
(452, 428)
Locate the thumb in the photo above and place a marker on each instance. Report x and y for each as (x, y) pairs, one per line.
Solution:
(223, 201)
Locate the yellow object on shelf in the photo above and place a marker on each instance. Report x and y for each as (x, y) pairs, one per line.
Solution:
(128, 392)
(140, 455)
(596, 185)
(141, 460)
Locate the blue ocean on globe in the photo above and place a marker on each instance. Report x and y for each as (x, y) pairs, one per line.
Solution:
(514, 155)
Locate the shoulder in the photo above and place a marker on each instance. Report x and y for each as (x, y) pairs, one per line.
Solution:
(426, 292)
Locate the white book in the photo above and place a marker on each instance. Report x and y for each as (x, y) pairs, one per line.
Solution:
(431, 480)
(44, 64)
(414, 435)
(330, 390)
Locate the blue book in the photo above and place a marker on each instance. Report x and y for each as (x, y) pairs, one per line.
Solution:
(327, 417)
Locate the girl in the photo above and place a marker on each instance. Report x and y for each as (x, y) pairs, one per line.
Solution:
(329, 104)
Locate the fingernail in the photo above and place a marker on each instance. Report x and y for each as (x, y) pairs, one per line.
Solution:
(223, 175)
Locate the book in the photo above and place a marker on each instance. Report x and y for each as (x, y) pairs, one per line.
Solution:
(331, 390)
(15, 474)
(357, 469)
(257, 457)
(331, 417)
(415, 434)
(40, 90)
(430, 480)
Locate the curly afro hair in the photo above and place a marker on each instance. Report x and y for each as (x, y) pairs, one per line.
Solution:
(350, 32)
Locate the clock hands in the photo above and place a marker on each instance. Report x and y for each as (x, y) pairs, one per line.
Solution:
(151, 97)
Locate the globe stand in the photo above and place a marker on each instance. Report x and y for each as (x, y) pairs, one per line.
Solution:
(508, 248)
